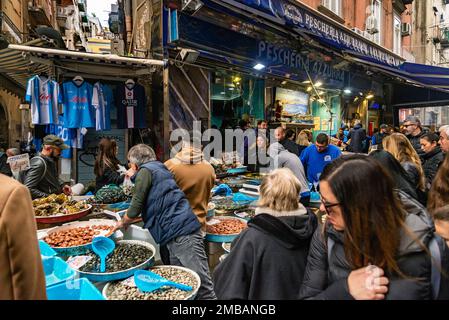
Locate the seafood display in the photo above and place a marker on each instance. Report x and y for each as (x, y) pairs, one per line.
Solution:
(77, 236)
(226, 226)
(57, 205)
(125, 256)
(127, 290)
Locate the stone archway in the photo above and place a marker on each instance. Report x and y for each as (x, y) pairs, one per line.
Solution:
(4, 131)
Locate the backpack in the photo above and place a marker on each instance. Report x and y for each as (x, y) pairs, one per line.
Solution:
(22, 174)
(435, 275)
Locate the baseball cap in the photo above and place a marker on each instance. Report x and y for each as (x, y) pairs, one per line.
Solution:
(52, 140)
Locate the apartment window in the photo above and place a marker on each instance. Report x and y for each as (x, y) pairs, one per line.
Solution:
(377, 15)
(397, 36)
(334, 6)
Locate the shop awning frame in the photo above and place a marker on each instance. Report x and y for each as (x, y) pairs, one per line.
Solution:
(93, 57)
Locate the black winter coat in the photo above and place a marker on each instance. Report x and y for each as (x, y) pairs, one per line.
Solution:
(267, 260)
(431, 163)
(328, 279)
(291, 146)
(357, 136)
(416, 143)
(109, 177)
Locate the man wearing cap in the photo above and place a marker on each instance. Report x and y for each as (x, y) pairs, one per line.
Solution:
(414, 131)
(376, 141)
(42, 178)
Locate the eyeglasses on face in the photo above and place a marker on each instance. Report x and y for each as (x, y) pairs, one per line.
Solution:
(327, 205)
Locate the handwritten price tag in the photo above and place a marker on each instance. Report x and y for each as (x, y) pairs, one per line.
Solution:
(78, 261)
(213, 222)
(129, 282)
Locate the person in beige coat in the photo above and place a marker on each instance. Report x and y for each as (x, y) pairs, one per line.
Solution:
(21, 272)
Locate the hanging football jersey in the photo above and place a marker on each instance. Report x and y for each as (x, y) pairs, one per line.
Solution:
(65, 134)
(43, 95)
(131, 106)
(77, 105)
(103, 101)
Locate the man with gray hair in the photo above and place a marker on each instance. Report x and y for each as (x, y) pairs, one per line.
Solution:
(167, 215)
(444, 138)
(414, 132)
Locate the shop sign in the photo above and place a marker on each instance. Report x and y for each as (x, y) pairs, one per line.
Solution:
(305, 20)
(290, 58)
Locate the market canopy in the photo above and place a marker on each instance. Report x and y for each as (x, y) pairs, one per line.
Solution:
(89, 63)
(18, 67)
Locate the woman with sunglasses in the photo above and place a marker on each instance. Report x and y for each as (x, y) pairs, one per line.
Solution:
(375, 243)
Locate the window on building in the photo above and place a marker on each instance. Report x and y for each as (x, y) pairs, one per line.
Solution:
(334, 6)
(378, 23)
(397, 36)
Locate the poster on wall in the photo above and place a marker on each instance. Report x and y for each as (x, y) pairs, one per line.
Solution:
(293, 102)
(317, 123)
(324, 125)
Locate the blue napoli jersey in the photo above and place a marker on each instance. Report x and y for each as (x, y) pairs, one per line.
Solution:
(77, 105)
(103, 101)
(44, 96)
(65, 134)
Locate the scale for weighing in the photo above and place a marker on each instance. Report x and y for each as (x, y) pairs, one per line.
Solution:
(250, 189)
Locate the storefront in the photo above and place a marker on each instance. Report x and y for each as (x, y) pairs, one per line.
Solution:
(282, 51)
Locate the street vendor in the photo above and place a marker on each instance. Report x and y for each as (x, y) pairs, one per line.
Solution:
(42, 177)
(167, 215)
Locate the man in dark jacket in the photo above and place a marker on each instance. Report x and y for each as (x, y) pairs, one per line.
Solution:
(415, 131)
(42, 178)
(378, 137)
(4, 167)
(280, 136)
(167, 215)
(357, 135)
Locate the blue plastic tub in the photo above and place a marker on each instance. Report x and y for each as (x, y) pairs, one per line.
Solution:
(79, 289)
(46, 250)
(57, 271)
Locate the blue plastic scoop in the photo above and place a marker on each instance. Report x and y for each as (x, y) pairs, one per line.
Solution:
(102, 246)
(148, 281)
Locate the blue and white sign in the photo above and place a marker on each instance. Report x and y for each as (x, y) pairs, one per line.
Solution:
(301, 19)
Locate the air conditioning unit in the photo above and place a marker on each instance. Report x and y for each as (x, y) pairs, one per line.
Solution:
(191, 5)
(360, 32)
(371, 25)
(406, 29)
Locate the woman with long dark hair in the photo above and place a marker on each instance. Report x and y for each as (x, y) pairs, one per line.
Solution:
(107, 165)
(375, 245)
(439, 192)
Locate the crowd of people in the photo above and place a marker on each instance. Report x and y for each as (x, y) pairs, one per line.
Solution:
(384, 233)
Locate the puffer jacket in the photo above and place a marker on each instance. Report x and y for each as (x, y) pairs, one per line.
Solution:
(431, 163)
(357, 136)
(329, 279)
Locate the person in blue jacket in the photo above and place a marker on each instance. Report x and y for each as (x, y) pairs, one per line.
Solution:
(167, 215)
(317, 156)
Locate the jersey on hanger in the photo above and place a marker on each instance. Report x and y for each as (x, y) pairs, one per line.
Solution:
(44, 96)
(131, 107)
(102, 100)
(63, 133)
(77, 105)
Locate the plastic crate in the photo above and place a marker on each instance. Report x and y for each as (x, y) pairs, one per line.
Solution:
(79, 289)
(46, 250)
(56, 271)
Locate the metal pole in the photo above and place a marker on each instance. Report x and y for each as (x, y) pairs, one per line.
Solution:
(108, 57)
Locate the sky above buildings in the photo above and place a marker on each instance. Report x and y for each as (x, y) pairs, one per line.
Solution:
(101, 8)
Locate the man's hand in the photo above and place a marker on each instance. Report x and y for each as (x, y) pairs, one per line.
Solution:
(125, 223)
(67, 190)
(130, 173)
(368, 283)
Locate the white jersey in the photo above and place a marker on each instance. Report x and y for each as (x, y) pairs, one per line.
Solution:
(44, 96)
